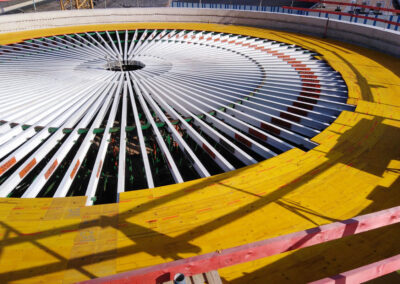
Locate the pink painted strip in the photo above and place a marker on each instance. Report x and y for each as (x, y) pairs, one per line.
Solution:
(249, 252)
(364, 273)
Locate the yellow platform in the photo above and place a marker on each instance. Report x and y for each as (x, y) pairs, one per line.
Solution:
(355, 170)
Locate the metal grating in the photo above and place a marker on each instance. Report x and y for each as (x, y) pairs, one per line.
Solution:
(100, 113)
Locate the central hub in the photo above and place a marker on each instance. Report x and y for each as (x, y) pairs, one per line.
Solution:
(124, 65)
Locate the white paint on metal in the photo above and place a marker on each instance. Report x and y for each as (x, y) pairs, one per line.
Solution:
(234, 98)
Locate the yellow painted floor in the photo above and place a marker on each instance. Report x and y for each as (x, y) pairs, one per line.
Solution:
(355, 170)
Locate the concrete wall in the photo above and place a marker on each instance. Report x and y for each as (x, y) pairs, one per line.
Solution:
(387, 41)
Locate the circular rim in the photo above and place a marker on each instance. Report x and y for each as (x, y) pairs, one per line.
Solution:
(202, 103)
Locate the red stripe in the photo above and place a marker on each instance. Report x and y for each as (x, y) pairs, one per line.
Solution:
(299, 65)
(99, 169)
(233, 202)
(7, 165)
(289, 116)
(51, 169)
(270, 128)
(308, 76)
(208, 150)
(75, 169)
(311, 85)
(243, 140)
(297, 111)
(307, 100)
(31, 234)
(307, 73)
(280, 122)
(306, 89)
(301, 105)
(27, 168)
(204, 209)
(170, 217)
(309, 95)
(310, 80)
(257, 134)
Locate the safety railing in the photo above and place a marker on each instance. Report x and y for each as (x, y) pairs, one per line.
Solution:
(268, 247)
(386, 21)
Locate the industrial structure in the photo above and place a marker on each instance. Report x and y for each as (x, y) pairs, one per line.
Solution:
(158, 141)
(200, 103)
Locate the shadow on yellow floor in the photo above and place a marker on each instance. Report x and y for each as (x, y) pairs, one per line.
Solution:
(354, 171)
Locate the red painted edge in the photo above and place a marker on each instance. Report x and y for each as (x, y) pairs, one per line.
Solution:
(252, 251)
(364, 273)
